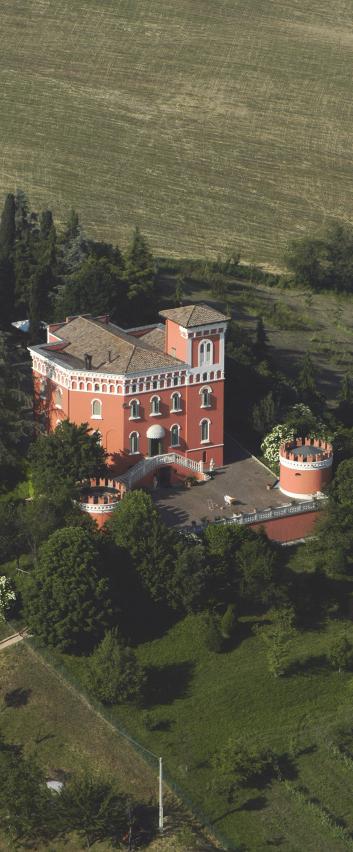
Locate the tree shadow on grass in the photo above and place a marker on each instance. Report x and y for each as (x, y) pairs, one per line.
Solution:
(166, 683)
(310, 665)
(17, 697)
(258, 803)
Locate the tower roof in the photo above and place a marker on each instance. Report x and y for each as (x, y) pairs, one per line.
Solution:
(193, 315)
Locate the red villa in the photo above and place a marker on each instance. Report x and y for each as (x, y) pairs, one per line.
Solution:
(154, 393)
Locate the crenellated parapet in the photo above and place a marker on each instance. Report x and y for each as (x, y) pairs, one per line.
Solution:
(305, 466)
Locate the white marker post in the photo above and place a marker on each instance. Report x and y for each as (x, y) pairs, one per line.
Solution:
(160, 823)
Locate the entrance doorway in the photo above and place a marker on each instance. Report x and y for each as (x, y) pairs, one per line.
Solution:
(155, 447)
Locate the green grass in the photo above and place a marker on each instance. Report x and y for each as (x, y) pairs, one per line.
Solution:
(204, 698)
(63, 733)
(293, 327)
(207, 124)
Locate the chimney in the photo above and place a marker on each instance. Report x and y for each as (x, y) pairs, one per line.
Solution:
(88, 361)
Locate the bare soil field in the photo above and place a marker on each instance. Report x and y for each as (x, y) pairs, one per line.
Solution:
(207, 124)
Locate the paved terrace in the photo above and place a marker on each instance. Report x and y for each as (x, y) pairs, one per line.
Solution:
(242, 477)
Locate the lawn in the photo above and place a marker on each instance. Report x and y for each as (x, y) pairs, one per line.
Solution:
(65, 735)
(297, 321)
(207, 124)
(201, 698)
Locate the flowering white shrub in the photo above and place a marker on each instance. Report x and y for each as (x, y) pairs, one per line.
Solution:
(6, 596)
(272, 442)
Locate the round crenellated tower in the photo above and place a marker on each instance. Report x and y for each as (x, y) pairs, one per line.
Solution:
(305, 467)
(100, 500)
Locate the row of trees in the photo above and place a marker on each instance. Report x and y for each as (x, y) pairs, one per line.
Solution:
(325, 262)
(46, 275)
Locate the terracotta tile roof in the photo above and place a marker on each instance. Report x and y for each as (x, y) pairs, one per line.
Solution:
(191, 315)
(155, 338)
(112, 349)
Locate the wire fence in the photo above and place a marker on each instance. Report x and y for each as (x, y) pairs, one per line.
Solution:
(109, 715)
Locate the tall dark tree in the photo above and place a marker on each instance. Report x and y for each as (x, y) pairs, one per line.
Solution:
(67, 598)
(138, 529)
(15, 426)
(67, 456)
(261, 341)
(140, 274)
(7, 273)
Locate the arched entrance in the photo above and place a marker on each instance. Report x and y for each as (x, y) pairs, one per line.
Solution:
(155, 435)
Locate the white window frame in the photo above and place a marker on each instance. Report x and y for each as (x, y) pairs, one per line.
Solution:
(172, 396)
(205, 440)
(131, 404)
(136, 435)
(177, 427)
(96, 416)
(204, 360)
(208, 390)
(155, 413)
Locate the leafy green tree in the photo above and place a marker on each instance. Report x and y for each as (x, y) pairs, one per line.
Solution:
(95, 810)
(15, 427)
(70, 455)
(26, 805)
(97, 287)
(67, 599)
(342, 488)
(307, 259)
(270, 446)
(264, 414)
(7, 596)
(345, 407)
(257, 568)
(276, 637)
(138, 529)
(189, 579)
(237, 765)
(340, 654)
(113, 672)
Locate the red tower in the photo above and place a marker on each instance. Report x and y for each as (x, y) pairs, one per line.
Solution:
(151, 392)
(305, 467)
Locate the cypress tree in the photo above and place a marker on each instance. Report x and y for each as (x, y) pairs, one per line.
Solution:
(7, 275)
(8, 227)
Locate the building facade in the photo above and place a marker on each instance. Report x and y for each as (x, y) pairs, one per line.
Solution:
(148, 391)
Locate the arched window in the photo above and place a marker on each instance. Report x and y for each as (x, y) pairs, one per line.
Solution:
(174, 436)
(205, 352)
(154, 385)
(205, 431)
(96, 387)
(133, 388)
(82, 387)
(176, 401)
(175, 380)
(134, 439)
(97, 409)
(205, 394)
(58, 398)
(155, 405)
(134, 409)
